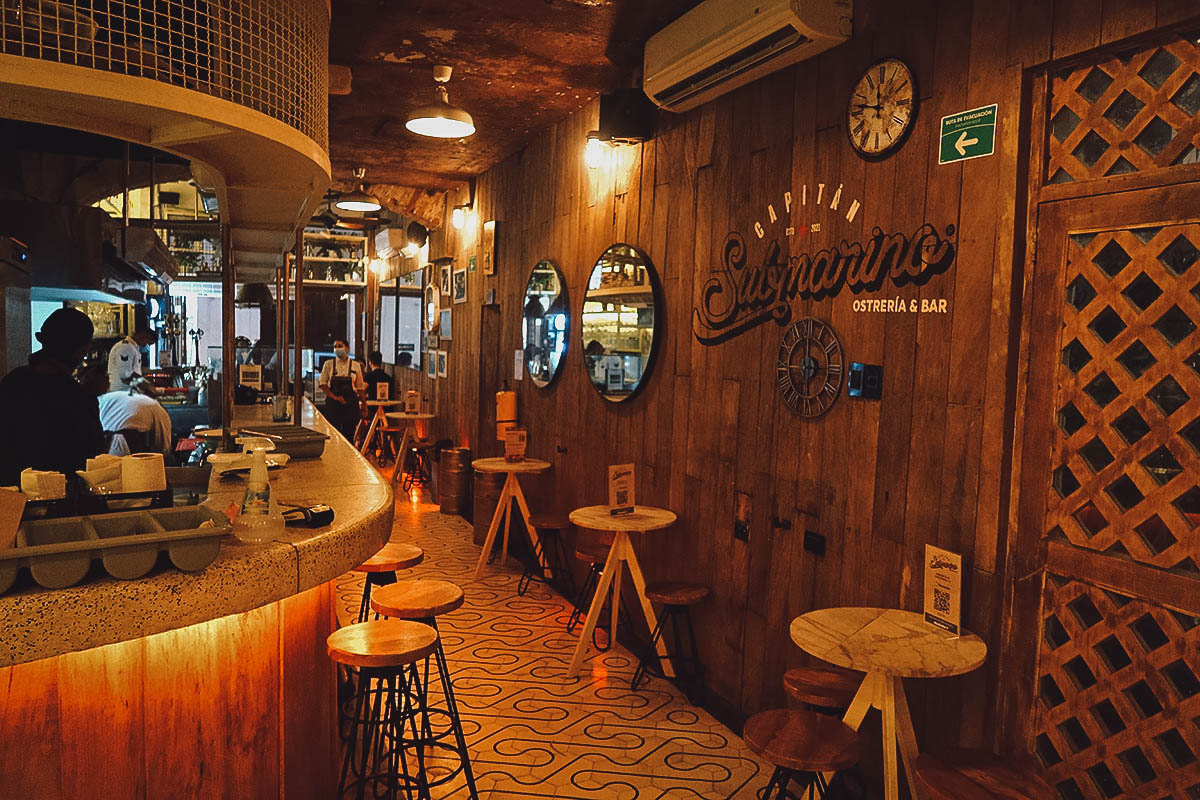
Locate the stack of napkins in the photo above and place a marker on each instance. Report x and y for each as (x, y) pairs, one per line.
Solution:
(39, 484)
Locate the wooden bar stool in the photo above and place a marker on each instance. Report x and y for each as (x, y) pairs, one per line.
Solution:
(423, 601)
(677, 600)
(549, 527)
(828, 690)
(978, 775)
(375, 762)
(801, 745)
(380, 569)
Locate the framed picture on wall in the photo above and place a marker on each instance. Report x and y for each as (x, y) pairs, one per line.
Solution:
(488, 247)
(441, 363)
(430, 364)
(458, 285)
(445, 332)
(444, 278)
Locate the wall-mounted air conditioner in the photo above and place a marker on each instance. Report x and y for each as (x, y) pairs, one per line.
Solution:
(722, 44)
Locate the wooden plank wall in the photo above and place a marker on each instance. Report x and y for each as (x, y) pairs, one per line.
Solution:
(878, 479)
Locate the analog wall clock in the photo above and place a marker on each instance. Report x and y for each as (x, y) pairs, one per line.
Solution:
(809, 367)
(882, 108)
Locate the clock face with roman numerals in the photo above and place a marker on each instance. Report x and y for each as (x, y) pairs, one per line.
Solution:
(809, 368)
(882, 108)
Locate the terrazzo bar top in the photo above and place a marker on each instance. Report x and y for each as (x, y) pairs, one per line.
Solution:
(39, 623)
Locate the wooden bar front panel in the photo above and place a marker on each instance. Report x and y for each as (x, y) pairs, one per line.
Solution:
(241, 706)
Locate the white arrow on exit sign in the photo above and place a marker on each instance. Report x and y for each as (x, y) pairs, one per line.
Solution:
(963, 143)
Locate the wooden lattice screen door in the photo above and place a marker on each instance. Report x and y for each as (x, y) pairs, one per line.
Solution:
(1106, 610)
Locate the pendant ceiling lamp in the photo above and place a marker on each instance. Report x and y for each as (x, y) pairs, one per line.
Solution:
(441, 120)
(358, 200)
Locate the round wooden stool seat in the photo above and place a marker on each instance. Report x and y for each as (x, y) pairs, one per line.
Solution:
(819, 686)
(394, 556)
(550, 521)
(416, 599)
(381, 643)
(978, 775)
(802, 740)
(676, 594)
(593, 553)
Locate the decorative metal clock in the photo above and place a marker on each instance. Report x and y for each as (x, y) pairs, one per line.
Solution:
(882, 108)
(809, 367)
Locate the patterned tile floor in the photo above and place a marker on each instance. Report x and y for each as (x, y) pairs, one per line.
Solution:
(531, 731)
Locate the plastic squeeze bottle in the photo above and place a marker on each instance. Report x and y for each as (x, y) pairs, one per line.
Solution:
(256, 523)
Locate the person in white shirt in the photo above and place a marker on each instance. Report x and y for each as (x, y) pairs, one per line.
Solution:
(125, 358)
(138, 423)
(342, 382)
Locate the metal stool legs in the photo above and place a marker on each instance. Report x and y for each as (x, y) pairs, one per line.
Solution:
(551, 544)
(814, 783)
(687, 662)
(583, 602)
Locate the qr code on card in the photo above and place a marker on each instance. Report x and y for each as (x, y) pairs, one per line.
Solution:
(622, 497)
(941, 601)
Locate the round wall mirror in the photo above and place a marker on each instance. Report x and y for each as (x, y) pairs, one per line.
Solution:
(544, 322)
(619, 322)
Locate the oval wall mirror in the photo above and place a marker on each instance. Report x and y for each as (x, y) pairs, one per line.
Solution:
(544, 322)
(619, 322)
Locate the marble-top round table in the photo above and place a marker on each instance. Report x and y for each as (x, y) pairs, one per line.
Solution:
(408, 421)
(510, 492)
(888, 645)
(641, 520)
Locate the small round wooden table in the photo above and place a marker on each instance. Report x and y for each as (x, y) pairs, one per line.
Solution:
(598, 518)
(409, 422)
(888, 645)
(510, 492)
(376, 421)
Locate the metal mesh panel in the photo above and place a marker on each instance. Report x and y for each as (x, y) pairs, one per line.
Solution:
(268, 55)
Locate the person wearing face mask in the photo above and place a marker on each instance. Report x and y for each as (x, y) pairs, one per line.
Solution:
(48, 420)
(342, 382)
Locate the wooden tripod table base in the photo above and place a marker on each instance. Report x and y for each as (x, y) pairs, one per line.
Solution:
(620, 557)
(889, 645)
(510, 492)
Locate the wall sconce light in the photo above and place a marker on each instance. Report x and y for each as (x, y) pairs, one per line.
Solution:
(597, 150)
(458, 217)
(378, 267)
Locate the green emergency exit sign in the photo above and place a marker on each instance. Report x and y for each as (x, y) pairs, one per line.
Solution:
(967, 135)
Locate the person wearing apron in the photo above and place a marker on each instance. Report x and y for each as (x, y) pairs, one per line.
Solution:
(341, 381)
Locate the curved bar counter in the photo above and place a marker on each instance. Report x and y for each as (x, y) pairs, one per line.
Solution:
(207, 684)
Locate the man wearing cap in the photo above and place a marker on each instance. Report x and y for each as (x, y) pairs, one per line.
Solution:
(47, 420)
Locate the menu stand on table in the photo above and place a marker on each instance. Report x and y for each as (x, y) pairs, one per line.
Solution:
(510, 492)
(598, 518)
(888, 645)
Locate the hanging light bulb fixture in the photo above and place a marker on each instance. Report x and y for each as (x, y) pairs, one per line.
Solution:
(358, 200)
(441, 120)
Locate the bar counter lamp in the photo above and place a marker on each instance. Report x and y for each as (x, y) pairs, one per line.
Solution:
(440, 119)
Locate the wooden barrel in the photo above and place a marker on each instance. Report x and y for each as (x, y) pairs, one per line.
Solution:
(487, 488)
(454, 484)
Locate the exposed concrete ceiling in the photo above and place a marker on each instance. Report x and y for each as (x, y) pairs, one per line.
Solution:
(519, 65)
